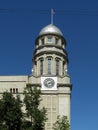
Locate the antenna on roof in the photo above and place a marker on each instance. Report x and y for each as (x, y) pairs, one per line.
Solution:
(52, 13)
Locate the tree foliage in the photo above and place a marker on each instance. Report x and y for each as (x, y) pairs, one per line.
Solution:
(32, 99)
(62, 123)
(10, 112)
(12, 116)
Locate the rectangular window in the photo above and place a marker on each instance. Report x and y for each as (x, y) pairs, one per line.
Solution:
(57, 67)
(56, 41)
(49, 39)
(42, 40)
(41, 66)
(49, 65)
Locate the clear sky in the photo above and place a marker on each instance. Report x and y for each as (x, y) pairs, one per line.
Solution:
(20, 23)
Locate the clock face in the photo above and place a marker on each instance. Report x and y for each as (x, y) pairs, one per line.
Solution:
(49, 82)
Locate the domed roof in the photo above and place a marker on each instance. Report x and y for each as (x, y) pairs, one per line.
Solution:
(50, 29)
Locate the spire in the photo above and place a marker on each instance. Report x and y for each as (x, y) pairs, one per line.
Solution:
(52, 13)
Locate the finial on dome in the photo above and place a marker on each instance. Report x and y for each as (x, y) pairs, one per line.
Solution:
(52, 13)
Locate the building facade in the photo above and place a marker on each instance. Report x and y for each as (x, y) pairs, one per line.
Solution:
(49, 71)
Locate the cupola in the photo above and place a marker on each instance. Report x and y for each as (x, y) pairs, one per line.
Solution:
(50, 57)
(50, 29)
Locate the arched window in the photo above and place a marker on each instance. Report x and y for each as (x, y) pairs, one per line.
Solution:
(13, 90)
(63, 67)
(57, 66)
(49, 66)
(41, 66)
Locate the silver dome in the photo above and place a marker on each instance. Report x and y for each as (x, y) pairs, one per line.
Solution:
(50, 29)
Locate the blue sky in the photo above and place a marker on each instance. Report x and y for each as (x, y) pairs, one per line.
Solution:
(20, 23)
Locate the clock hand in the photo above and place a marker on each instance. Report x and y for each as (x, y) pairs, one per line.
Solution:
(49, 83)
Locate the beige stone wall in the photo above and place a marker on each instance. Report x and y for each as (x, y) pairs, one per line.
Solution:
(50, 102)
(13, 82)
(57, 103)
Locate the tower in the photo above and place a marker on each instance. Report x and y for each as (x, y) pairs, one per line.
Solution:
(50, 61)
